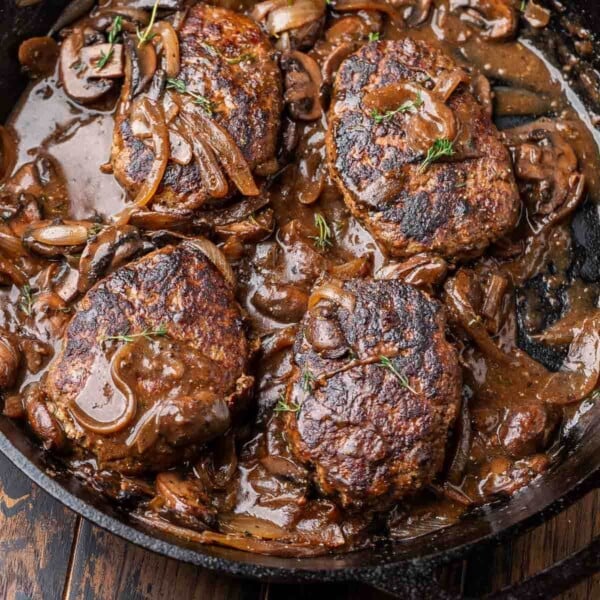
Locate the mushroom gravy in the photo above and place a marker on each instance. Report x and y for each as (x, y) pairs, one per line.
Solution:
(523, 316)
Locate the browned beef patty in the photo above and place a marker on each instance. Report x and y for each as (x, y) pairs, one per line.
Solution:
(455, 207)
(375, 393)
(228, 60)
(165, 330)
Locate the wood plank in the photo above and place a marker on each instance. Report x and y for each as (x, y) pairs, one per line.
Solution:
(36, 534)
(523, 557)
(106, 567)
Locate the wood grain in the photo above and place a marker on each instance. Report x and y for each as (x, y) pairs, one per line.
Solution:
(47, 552)
(105, 567)
(36, 534)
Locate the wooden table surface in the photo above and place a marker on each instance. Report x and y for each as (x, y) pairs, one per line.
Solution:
(48, 552)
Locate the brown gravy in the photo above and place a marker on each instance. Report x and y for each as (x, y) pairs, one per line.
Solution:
(260, 496)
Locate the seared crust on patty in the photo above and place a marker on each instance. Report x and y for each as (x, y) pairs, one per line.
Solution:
(373, 431)
(228, 60)
(454, 208)
(198, 367)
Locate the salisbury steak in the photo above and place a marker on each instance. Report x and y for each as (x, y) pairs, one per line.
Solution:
(154, 362)
(455, 207)
(376, 390)
(227, 63)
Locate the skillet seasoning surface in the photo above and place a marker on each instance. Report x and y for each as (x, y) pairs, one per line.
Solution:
(292, 277)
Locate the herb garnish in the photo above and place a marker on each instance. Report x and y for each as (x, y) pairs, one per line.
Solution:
(374, 36)
(180, 86)
(441, 147)
(408, 106)
(523, 6)
(26, 302)
(283, 406)
(113, 32)
(385, 362)
(235, 60)
(323, 240)
(95, 229)
(145, 36)
(130, 337)
(308, 380)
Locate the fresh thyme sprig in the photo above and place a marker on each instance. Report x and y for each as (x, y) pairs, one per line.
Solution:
(374, 36)
(323, 240)
(26, 302)
(523, 6)
(439, 149)
(131, 337)
(113, 33)
(408, 106)
(282, 406)
(308, 381)
(235, 60)
(386, 363)
(180, 86)
(146, 36)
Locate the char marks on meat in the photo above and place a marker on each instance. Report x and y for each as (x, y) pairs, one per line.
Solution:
(455, 207)
(187, 373)
(228, 61)
(378, 388)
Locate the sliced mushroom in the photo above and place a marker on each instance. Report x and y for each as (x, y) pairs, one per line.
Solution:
(253, 229)
(40, 418)
(497, 18)
(106, 251)
(38, 56)
(76, 76)
(547, 168)
(10, 358)
(302, 86)
(421, 270)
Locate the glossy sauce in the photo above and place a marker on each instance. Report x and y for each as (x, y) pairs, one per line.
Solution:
(276, 273)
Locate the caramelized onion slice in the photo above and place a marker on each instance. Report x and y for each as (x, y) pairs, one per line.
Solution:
(211, 173)
(430, 118)
(227, 150)
(8, 153)
(370, 5)
(241, 542)
(334, 293)
(170, 47)
(287, 17)
(153, 113)
(580, 372)
(215, 256)
(130, 408)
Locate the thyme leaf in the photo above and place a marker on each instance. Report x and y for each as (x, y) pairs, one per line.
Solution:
(308, 381)
(386, 363)
(440, 148)
(323, 240)
(26, 301)
(113, 32)
(234, 60)
(374, 36)
(146, 36)
(131, 337)
(282, 406)
(408, 106)
(180, 86)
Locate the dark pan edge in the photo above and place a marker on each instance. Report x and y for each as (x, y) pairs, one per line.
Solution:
(202, 558)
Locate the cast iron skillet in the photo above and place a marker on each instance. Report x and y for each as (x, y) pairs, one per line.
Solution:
(403, 568)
